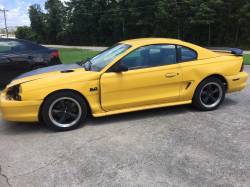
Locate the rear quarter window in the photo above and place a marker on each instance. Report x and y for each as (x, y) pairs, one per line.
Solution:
(186, 54)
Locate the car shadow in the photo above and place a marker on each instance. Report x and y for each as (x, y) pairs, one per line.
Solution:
(15, 128)
(229, 102)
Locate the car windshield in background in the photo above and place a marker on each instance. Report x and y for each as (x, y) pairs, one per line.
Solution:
(8, 46)
(103, 59)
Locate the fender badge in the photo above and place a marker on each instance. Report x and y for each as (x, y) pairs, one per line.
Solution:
(93, 89)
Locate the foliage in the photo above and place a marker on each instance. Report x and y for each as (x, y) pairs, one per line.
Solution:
(54, 20)
(103, 22)
(247, 59)
(25, 33)
(38, 25)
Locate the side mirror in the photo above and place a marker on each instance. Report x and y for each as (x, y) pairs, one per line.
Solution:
(120, 67)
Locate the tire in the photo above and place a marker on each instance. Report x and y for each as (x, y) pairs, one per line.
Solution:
(209, 94)
(64, 111)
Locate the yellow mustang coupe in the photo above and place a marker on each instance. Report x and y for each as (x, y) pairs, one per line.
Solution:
(130, 76)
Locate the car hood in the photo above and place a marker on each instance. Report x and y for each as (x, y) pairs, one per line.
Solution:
(61, 67)
(48, 72)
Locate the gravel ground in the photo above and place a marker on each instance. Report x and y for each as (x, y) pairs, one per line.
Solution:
(175, 146)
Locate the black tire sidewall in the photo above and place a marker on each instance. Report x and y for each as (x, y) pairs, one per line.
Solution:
(196, 99)
(48, 101)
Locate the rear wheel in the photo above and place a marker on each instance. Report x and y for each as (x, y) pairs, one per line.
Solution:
(64, 111)
(209, 94)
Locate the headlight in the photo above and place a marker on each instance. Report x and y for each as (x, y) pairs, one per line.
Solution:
(13, 93)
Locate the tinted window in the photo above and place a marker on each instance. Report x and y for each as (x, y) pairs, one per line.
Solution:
(11, 46)
(150, 56)
(186, 54)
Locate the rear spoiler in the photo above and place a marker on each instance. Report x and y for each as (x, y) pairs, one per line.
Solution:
(235, 51)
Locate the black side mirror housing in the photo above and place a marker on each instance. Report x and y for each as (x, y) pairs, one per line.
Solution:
(120, 67)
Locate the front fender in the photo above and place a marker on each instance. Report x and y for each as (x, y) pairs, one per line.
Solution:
(39, 93)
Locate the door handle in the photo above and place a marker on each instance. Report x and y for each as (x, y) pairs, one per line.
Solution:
(170, 75)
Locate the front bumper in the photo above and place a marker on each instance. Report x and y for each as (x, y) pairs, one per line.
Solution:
(237, 82)
(19, 111)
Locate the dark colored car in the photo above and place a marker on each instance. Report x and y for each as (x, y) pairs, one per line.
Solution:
(20, 56)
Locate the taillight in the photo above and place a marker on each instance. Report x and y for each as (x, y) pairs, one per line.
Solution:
(55, 54)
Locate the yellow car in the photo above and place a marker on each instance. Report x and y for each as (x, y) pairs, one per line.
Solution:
(129, 76)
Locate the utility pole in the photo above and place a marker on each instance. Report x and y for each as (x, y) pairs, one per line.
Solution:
(5, 22)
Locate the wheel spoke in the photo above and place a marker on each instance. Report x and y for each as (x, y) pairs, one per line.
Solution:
(62, 104)
(72, 115)
(210, 88)
(206, 99)
(213, 99)
(72, 106)
(204, 93)
(216, 90)
(57, 111)
(62, 118)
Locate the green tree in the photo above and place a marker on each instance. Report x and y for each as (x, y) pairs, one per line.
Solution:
(37, 19)
(25, 33)
(243, 25)
(203, 18)
(103, 22)
(54, 20)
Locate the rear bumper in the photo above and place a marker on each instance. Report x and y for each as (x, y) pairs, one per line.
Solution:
(19, 111)
(237, 82)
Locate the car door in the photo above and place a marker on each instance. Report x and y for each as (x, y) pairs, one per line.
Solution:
(153, 78)
(14, 60)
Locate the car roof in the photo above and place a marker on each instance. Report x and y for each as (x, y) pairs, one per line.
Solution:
(203, 53)
(146, 41)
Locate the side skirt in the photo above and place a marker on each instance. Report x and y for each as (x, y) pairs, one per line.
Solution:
(141, 108)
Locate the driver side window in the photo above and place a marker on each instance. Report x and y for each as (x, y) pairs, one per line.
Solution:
(150, 56)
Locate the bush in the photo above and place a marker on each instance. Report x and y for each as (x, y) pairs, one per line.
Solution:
(25, 33)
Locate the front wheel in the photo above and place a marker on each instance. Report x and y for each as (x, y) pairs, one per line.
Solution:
(64, 111)
(209, 94)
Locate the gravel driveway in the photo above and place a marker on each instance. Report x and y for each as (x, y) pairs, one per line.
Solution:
(175, 146)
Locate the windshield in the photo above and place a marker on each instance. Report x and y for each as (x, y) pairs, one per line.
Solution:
(103, 59)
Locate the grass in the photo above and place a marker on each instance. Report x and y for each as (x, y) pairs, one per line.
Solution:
(75, 55)
(247, 59)
(68, 56)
